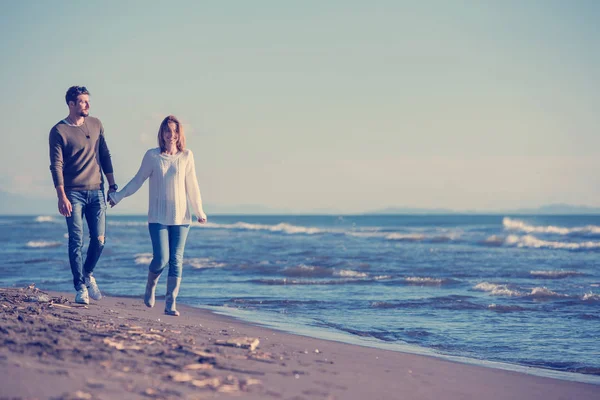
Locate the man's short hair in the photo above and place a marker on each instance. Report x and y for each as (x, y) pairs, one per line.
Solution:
(75, 91)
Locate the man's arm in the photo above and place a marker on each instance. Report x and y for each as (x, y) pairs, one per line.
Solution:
(56, 167)
(64, 205)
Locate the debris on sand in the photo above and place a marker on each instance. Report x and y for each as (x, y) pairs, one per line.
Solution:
(243, 342)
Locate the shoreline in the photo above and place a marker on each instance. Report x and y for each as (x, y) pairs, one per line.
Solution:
(346, 338)
(118, 348)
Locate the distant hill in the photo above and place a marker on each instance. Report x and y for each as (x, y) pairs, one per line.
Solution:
(410, 210)
(560, 209)
(550, 209)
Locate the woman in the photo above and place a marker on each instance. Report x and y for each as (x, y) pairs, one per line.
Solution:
(173, 183)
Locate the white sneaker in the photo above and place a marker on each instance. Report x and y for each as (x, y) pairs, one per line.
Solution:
(82, 296)
(90, 283)
(92, 287)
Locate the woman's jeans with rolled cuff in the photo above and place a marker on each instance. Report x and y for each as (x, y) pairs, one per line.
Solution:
(168, 243)
(90, 204)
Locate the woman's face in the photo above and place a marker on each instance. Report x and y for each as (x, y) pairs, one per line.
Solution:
(171, 136)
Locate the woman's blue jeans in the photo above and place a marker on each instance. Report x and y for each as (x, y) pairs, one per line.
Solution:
(90, 204)
(168, 243)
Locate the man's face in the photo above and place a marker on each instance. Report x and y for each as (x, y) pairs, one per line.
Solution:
(81, 107)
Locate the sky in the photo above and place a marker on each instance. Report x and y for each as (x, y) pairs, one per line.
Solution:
(348, 106)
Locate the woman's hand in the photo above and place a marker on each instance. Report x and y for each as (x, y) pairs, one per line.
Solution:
(111, 199)
(202, 219)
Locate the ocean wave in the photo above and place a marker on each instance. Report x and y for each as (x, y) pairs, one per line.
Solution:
(286, 281)
(591, 297)
(40, 244)
(367, 234)
(143, 258)
(202, 263)
(281, 227)
(312, 271)
(504, 290)
(442, 303)
(505, 308)
(347, 273)
(363, 232)
(276, 302)
(45, 218)
(494, 240)
(555, 274)
(410, 237)
(544, 293)
(427, 281)
(406, 237)
(533, 242)
(518, 225)
(497, 289)
(307, 271)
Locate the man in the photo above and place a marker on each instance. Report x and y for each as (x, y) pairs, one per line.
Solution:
(78, 158)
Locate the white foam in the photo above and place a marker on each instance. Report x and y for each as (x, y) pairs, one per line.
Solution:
(42, 244)
(504, 290)
(496, 289)
(543, 292)
(405, 236)
(203, 263)
(346, 273)
(554, 274)
(307, 271)
(533, 242)
(409, 237)
(518, 225)
(45, 218)
(424, 280)
(281, 227)
(591, 297)
(382, 277)
(143, 258)
(366, 234)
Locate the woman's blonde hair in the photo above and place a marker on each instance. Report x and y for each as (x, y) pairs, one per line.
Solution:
(164, 127)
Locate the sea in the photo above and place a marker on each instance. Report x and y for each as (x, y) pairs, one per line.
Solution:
(512, 292)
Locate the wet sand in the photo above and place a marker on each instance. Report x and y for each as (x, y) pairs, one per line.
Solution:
(117, 348)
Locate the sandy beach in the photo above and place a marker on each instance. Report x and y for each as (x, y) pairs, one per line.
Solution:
(117, 348)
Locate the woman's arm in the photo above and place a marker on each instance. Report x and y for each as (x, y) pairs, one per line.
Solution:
(136, 182)
(192, 189)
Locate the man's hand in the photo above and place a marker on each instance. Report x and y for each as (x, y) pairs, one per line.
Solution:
(64, 206)
(202, 219)
(110, 199)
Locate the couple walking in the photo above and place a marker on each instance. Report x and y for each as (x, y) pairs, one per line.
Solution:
(79, 157)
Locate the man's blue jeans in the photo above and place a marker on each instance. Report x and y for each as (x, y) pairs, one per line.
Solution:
(168, 243)
(92, 205)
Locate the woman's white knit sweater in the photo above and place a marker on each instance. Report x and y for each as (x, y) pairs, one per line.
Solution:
(172, 183)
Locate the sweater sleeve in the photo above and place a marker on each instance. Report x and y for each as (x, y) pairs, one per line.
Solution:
(137, 181)
(191, 187)
(104, 153)
(56, 157)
